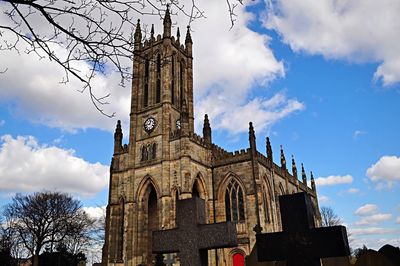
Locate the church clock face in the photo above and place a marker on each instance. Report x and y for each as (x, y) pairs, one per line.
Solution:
(178, 124)
(149, 124)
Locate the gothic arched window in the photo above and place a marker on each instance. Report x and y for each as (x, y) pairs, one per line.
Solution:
(153, 150)
(144, 153)
(266, 206)
(173, 81)
(146, 84)
(181, 83)
(120, 233)
(158, 85)
(234, 203)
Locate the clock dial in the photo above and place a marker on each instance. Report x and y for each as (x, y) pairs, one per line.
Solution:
(149, 124)
(178, 124)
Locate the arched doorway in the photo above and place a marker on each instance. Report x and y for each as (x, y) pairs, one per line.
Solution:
(238, 259)
(152, 220)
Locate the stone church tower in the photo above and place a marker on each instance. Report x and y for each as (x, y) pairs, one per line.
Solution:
(166, 160)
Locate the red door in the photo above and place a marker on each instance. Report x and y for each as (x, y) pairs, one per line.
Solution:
(238, 260)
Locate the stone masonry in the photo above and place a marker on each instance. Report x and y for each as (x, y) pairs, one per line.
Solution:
(166, 160)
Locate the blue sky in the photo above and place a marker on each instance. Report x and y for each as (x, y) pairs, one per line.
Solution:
(320, 79)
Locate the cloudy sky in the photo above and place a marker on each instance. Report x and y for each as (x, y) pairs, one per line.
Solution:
(320, 78)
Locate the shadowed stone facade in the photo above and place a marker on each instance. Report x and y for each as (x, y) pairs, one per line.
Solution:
(165, 161)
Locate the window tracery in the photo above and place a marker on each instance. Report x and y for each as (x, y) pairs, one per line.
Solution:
(234, 202)
(149, 152)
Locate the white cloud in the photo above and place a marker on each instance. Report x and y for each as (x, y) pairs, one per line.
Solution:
(334, 180)
(357, 31)
(374, 219)
(228, 66)
(41, 98)
(367, 209)
(385, 172)
(353, 190)
(369, 215)
(235, 118)
(95, 212)
(27, 166)
(372, 231)
(323, 199)
(358, 133)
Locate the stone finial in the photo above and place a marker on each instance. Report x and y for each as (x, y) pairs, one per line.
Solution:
(252, 138)
(294, 168)
(167, 23)
(118, 137)
(188, 42)
(269, 149)
(152, 32)
(303, 175)
(207, 130)
(312, 181)
(138, 35)
(178, 35)
(188, 38)
(283, 159)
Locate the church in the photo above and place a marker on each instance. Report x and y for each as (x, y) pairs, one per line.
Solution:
(165, 161)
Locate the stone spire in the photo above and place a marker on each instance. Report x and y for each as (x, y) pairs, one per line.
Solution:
(294, 168)
(252, 137)
(118, 138)
(283, 159)
(303, 175)
(167, 23)
(152, 33)
(207, 130)
(269, 149)
(178, 35)
(312, 182)
(188, 42)
(138, 36)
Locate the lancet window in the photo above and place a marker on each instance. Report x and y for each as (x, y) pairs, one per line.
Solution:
(149, 152)
(234, 202)
(158, 84)
(146, 83)
(266, 206)
(181, 83)
(173, 81)
(120, 233)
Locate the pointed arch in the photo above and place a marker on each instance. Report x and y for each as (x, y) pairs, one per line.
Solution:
(173, 63)
(143, 188)
(267, 200)
(158, 78)
(120, 228)
(181, 82)
(281, 189)
(232, 195)
(146, 82)
(199, 187)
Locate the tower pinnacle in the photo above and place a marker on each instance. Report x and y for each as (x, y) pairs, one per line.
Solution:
(167, 23)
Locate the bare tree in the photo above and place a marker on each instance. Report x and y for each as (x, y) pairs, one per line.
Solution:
(97, 32)
(329, 217)
(45, 219)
